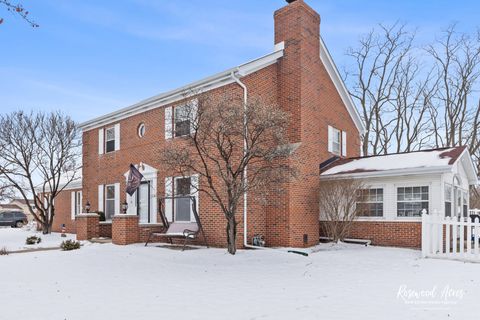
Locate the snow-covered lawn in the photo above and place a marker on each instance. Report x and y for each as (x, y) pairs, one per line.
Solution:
(13, 239)
(103, 281)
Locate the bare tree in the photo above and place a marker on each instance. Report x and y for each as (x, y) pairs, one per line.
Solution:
(377, 66)
(456, 105)
(338, 207)
(226, 138)
(17, 9)
(39, 158)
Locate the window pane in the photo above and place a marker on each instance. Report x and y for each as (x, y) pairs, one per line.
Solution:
(110, 146)
(110, 134)
(110, 192)
(448, 209)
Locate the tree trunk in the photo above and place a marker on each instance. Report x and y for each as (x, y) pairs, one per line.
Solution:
(232, 234)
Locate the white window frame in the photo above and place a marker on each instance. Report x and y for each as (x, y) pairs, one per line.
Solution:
(448, 198)
(109, 199)
(337, 141)
(382, 201)
(107, 140)
(429, 188)
(187, 118)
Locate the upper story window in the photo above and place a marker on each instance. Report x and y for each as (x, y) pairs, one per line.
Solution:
(370, 202)
(337, 141)
(411, 201)
(182, 121)
(109, 139)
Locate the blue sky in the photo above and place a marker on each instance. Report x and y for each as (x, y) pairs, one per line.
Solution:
(92, 57)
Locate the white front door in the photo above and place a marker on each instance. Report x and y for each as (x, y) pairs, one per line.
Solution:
(143, 202)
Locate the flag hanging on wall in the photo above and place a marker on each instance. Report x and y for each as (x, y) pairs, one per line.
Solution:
(134, 179)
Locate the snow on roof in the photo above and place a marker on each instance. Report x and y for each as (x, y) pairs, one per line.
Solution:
(434, 158)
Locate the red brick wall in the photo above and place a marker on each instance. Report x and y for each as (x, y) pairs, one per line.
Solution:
(87, 226)
(393, 234)
(125, 230)
(63, 213)
(105, 230)
(299, 84)
(307, 91)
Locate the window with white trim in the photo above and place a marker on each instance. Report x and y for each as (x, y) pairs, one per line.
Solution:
(465, 203)
(337, 141)
(78, 202)
(110, 139)
(412, 200)
(370, 202)
(448, 192)
(109, 202)
(182, 121)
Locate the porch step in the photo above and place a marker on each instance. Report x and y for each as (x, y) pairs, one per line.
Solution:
(101, 240)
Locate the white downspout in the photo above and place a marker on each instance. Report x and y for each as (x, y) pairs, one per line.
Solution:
(245, 100)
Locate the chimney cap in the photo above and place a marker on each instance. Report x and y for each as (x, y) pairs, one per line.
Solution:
(290, 1)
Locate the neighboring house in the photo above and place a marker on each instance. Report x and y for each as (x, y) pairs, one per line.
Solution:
(19, 204)
(399, 186)
(300, 77)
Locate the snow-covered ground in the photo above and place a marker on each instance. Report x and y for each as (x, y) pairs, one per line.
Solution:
(13, 239)
(103, 281)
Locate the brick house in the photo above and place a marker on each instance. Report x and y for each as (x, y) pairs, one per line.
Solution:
(300, 77)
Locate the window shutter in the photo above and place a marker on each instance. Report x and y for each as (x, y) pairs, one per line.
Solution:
(193, 116)
(194, 192)
(101, 192)
(330, 139)
(80, 201)
(117, 137)
(73, 202)
(117, 198)
(101, 141)
(169, 202)
(168, 123)
(344, 143)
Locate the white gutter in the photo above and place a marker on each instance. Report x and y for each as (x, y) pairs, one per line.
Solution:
(245, 180)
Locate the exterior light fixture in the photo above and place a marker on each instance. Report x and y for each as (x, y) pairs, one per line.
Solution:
(87, 207)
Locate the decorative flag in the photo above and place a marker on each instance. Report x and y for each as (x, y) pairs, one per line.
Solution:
(134, 179)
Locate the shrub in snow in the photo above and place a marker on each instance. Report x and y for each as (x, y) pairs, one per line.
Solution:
(33, 240)
(68, 245)
(3, 251)
(102, 215)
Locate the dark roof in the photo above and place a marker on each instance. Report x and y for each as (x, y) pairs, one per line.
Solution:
(395, 160)
(9, 207)
(21, 200)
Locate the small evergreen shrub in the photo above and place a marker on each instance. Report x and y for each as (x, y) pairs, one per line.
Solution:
(102, 215)
(68, 245)
(33, 240)
(3, 251)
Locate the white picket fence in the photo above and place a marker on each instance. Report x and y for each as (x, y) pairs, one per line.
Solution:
(455, 238)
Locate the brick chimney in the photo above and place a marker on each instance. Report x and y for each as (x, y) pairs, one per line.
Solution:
(298, 25)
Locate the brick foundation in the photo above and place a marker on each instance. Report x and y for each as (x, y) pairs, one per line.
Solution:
(87, 226)
(403, 234)
(125, 229)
